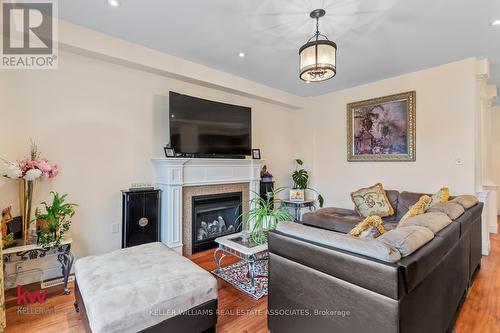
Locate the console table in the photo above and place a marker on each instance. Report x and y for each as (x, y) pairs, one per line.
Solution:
(33, 251)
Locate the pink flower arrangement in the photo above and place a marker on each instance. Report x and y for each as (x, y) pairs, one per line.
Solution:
(30, 168)
(46, 170)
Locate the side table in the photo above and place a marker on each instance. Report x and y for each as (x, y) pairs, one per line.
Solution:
(298, 205)
(34, 251)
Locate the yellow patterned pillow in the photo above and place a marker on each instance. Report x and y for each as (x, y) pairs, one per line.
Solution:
(439, 197)
(418, 208)
(369, 227)
(372, 201)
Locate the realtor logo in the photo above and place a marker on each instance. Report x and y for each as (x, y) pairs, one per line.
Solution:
(29, 31)
(28, 298)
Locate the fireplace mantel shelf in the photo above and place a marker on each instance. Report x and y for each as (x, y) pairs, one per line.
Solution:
(172, 174)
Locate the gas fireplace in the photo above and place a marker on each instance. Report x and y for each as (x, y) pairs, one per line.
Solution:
(213, 216)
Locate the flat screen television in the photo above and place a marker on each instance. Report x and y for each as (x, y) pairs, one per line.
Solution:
(206, 128)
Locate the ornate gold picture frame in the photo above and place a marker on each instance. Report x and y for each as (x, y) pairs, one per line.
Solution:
(382, 129)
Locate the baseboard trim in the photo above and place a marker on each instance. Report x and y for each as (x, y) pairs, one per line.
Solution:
(493, 229)
(56, 282)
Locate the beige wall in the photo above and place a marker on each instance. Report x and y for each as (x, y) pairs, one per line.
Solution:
(103, 123)
(445, 113)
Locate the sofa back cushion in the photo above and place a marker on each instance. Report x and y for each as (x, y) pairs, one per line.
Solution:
(434, 221)
(452, 209)
(372, 248)
(407, 239)
(466, 201)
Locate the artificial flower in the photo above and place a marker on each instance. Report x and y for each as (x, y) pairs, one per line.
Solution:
(32, 174)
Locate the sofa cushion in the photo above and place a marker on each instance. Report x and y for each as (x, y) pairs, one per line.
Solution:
(336, 219)
(372, 201)
(408, 239)
(371, 227)
(418, 208)
(466, 201)
(439, 197)
(372, 248)
(434, 221)
(452, 209)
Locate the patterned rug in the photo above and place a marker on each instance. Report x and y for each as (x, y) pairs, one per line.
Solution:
(237, 275)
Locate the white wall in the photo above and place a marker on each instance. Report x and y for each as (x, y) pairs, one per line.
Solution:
(103, 123)
(495, 147)
(445, 114)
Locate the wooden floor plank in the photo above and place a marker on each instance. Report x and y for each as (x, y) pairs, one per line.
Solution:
(240, 312)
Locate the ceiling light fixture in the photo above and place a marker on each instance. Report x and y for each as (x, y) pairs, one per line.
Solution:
(317, 57)
(494, 23)
(241, 54)
(114, 3)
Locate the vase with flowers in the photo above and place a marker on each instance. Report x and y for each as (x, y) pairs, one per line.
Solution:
(28, 172)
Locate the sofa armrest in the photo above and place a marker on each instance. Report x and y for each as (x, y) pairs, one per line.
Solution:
(372, 274)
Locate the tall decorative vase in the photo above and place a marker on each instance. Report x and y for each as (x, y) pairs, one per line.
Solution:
(27, 190)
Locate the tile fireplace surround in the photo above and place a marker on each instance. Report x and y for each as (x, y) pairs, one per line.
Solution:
(181, 178)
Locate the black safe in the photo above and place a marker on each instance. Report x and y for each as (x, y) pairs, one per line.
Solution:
(140, 217)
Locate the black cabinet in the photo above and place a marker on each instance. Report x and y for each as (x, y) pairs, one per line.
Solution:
(140, 217)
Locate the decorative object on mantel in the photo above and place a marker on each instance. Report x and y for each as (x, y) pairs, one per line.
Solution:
(256, 154)
(55, 221)
(169, 150)
(317, 57)
(300, 179)
(264, 215)
(382, 129)
(28, 172)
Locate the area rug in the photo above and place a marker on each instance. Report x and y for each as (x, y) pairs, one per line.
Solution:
(237, 275)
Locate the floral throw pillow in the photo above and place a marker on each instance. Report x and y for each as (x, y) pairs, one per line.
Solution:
(372, 201)
(370, 227)
(440, 196)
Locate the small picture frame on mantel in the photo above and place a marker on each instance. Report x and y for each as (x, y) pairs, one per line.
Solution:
(256, 154)
(169, 151)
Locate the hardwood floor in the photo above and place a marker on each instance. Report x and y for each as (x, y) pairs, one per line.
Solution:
(240, 313)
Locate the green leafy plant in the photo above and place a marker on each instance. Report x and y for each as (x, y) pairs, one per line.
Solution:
(300, 179)
(265, 215)
(55, 220)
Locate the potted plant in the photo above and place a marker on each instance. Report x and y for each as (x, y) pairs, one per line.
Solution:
(53, 223)
(264, 215)
(300, 178)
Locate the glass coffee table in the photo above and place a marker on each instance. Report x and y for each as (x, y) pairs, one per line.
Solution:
(247, 251)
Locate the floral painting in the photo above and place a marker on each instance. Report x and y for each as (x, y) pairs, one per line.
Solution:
(382, 129)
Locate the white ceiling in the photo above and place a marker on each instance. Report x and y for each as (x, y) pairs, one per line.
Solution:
(376, 39)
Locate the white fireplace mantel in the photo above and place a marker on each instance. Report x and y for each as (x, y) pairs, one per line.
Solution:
(172, 174)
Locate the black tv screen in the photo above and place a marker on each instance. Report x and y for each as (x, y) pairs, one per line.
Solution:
(203, 127)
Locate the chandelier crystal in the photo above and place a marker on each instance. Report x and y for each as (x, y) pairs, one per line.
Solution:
(317, 57)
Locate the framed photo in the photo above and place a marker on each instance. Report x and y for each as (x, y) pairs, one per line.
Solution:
(169, 151)
(297, 195)
(256, 154)
(382, 129)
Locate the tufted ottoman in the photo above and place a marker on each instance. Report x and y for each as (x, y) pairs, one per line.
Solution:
(146, 288)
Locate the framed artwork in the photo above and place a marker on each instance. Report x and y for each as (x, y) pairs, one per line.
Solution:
(256, 154)
(382, 129)
(169, 151)
(297, 195)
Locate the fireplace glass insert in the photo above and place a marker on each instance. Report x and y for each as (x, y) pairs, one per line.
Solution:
(213, 216)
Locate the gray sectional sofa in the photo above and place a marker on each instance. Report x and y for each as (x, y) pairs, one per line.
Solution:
(319, 282)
